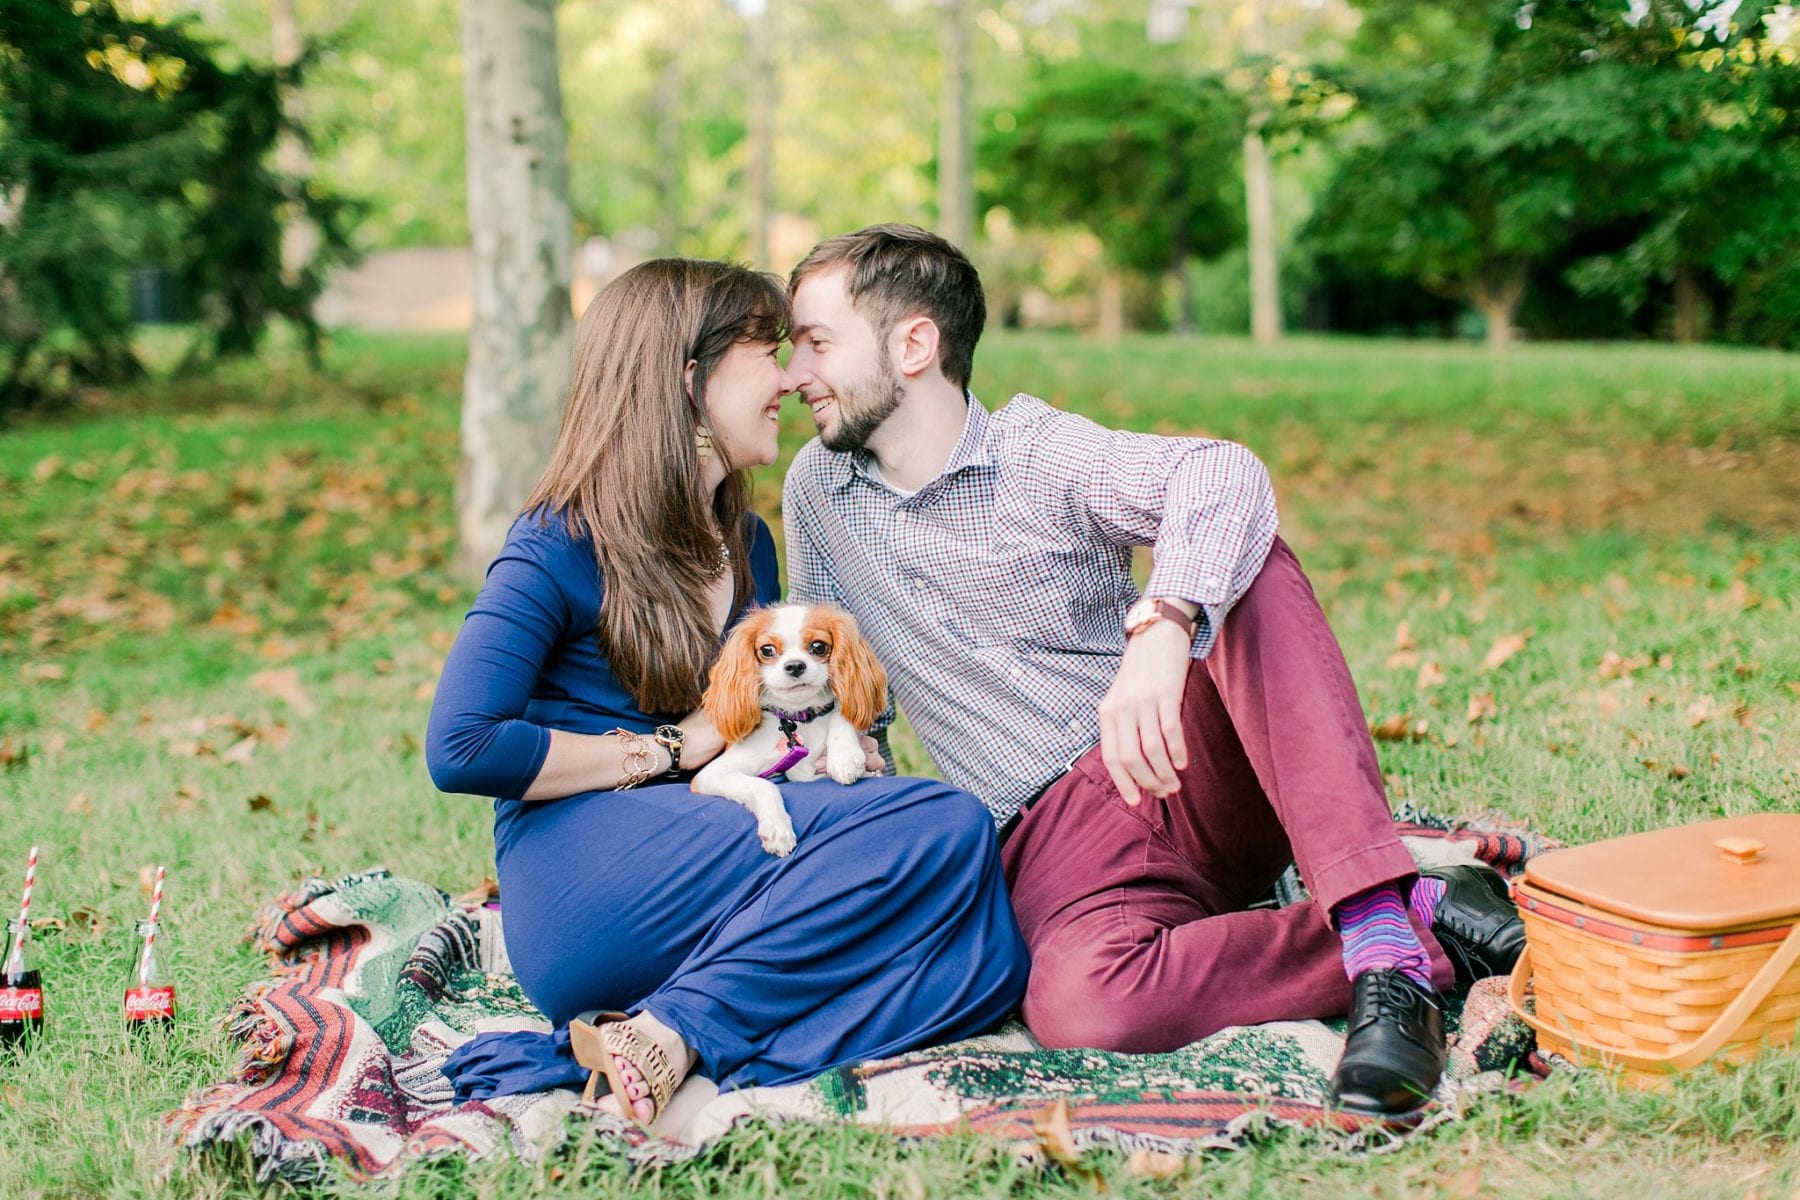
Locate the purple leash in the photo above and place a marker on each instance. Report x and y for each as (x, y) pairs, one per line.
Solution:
(790, 723)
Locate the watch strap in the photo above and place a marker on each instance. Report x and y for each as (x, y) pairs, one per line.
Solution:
(670, 737)
(1168, 612)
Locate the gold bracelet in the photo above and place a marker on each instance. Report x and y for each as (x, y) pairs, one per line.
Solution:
(640, 759)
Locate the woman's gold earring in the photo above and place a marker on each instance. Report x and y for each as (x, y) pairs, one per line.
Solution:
(703, 442)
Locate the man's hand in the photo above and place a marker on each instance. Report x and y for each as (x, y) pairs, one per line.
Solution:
(876, 764)
(1140, 718)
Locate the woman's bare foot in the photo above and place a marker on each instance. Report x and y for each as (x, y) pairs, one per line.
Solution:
(637, 1091)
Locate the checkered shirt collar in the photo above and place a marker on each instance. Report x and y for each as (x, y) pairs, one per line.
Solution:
(972, 449)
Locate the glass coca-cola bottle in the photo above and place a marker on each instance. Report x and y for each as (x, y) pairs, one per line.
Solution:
(150, 996)
(21, 989)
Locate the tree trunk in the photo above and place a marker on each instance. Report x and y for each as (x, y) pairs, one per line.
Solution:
(1185, 322)
(519, 225)
(299, 240)
(1690, 312)
(956, 198)
(1112, 304)
(762, 128)
(1498, 301)
(665, 108)
(1259, 199)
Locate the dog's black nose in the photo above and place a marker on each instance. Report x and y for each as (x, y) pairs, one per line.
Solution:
(796, 669)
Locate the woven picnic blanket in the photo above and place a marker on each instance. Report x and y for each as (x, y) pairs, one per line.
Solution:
(379, 978)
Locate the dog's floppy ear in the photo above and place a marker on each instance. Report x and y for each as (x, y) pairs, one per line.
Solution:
(733, 696)
(856, 676)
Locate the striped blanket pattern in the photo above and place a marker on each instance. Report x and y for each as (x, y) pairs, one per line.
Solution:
(378, 978)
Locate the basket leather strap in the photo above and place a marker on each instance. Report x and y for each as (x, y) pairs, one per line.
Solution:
(1728, 1022)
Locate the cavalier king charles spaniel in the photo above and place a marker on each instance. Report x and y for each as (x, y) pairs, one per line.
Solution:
(793, 689)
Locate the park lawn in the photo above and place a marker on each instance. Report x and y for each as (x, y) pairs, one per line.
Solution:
(1566, 580)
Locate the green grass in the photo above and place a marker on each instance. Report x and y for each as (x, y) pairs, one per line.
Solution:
(164, 545)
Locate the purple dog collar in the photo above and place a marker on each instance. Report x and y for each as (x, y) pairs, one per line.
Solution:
(789, 721)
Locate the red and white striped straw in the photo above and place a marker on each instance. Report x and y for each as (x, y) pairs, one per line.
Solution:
(30, 878)
(155, 907)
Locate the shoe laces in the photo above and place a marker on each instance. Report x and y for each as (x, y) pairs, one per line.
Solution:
(1395, 994)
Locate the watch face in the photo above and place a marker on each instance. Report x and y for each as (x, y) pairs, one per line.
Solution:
(1140, 614)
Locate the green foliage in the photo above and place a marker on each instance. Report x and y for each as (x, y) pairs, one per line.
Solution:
(128, 142)
(1504, 142)
(1145, 161)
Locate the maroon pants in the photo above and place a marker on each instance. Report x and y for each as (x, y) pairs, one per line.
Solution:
(1136, 917)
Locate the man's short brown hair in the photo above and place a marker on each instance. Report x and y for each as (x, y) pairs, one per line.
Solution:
(899, 271)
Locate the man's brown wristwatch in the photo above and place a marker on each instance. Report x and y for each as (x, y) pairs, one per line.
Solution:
(1150, 610)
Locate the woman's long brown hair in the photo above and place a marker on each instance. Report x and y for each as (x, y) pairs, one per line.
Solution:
(625, 468)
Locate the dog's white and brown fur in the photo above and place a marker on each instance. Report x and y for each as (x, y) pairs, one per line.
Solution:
(790, 659)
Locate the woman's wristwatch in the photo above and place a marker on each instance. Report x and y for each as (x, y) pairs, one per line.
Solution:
(669, 737)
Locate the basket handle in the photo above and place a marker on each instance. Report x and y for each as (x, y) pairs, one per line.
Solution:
(1728, 1022)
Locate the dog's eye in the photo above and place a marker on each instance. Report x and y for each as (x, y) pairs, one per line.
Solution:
(818, 649)
(766, 652)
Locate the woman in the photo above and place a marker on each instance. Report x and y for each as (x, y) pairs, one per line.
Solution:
(576, 681)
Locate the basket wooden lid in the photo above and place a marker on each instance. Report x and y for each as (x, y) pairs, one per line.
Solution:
(1713, 875)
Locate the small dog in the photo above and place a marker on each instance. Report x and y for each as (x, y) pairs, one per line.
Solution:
(792, 690)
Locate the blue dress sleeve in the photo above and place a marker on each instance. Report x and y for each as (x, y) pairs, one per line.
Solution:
(765, 570)
(478, 740)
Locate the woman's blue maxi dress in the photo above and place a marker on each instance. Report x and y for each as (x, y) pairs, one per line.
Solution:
(887, 928)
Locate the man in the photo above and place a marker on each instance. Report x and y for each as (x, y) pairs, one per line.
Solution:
(987, 558)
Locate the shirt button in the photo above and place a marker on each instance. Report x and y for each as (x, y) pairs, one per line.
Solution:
(1075, 726)
(918, 583)
(1017, 671)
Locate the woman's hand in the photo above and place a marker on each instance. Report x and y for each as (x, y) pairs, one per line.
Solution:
(876, 764)
(700, 741)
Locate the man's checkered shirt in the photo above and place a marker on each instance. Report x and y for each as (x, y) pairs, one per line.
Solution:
(995, 596)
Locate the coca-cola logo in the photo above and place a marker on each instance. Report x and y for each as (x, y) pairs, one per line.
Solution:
(21, 1004)
(144, 1003)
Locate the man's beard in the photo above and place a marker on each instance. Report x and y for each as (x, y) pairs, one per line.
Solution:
(863, 408)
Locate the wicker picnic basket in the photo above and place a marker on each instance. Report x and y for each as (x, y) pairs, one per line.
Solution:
(1654, 953)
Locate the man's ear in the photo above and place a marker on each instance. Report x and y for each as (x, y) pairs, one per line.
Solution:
(913, 346)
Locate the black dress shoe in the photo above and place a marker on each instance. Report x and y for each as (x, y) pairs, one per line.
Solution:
(1395, 1050)
(1477, 922)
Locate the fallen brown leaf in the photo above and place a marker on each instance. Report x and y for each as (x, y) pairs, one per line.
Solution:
(240, 751)
(1399, 729)
(1155, 1164)
(1482, 707)
(1504, 647)
(80, 805)
(1701, 711)
(283, 683)
(482, 892)
(45, 673)
(1616, 666)
(1056, 1139)
(1431, 675)
(90, 921)
(262, 803)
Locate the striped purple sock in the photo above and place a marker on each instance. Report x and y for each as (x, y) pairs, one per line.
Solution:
(1377, 935)
(1426, 892)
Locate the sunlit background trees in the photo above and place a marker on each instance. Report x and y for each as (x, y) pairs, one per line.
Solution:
(1566, 169)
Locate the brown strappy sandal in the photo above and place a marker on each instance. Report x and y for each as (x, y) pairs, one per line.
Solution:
(599, 1047)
